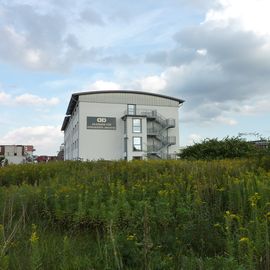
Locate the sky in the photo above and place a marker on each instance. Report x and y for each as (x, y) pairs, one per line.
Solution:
(214, 54)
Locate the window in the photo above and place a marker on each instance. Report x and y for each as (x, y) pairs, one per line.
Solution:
(125, 127)
(136, 125)
(125, 145)
(131, 109)
(137, 143)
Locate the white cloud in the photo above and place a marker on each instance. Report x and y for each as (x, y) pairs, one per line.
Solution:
(202, 52)
(250, 15)
(32, 56)
(194, 138)
(257, 106)
(103, 85)
(46, 139)
(28, 99)
(18, 39)
(153, 83)
(225, 120)
(4, 98)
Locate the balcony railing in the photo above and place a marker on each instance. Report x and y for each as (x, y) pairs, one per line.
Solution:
(154, 115)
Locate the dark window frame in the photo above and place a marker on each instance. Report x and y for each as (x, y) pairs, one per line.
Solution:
(135, 146)
(136, 126)
(131, 111)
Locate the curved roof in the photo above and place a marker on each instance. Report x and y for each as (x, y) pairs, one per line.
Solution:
(75, 96)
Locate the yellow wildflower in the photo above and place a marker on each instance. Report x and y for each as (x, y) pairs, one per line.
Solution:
(244, 240)
(131, 237)
(254, 199)
(34, 238)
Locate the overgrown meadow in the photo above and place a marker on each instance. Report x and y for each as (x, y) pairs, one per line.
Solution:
(136, 215)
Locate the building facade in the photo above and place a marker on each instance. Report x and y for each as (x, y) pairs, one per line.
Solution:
(17, 154)
(115, 125)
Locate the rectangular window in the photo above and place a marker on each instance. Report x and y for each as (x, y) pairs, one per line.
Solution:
(125, 127)
(125, 145)
(137, 143)
(131, 109)
(136, 125)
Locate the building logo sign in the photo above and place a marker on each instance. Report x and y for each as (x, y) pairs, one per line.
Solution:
(108, 123)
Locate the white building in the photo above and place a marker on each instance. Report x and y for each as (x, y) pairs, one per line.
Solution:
(115, 125)
(17, 154)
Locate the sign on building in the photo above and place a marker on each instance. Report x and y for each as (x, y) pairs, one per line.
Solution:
(101, 122)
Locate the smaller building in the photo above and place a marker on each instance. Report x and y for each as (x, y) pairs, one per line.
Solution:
(45, 159)
(17, 154)
(60, 154)
(261, 144)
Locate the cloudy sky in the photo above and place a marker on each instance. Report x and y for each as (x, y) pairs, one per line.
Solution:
(215, 54)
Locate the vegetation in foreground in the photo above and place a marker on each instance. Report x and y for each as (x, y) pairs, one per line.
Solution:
(136, 215)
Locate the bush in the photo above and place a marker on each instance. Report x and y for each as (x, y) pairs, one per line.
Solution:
(227, 148)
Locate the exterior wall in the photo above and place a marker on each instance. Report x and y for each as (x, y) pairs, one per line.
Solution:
(71, 136)
(101, 144)
(130, 135)
(14, 154)
(128, 98)
(13, 150)
(15, 159)
(94, 144)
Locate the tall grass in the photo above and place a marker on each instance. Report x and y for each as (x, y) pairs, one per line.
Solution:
(136, 215)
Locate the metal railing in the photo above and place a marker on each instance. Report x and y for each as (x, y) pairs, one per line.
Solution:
(152, 114)
(165, 142)
(161, 155)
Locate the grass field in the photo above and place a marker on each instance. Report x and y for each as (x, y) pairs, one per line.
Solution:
(136, 215)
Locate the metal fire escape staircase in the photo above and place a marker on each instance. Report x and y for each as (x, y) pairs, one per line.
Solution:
(159, 149)
(163, 141)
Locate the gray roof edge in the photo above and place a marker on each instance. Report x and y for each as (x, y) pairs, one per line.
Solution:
(65, 122)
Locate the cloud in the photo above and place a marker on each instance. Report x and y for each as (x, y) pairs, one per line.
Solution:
(152, 83)
(40, 40)
(92, 17)
(225, 120)
(46, 139)
(46, 36)
(32, 39)
(194, 138)
(220, 66)
(249, 15)
(4, 98)
(202, 52)
(103, 85)
(256, 106)
(28, 99)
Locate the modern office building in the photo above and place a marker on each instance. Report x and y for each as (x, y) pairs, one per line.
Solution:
(115, 125)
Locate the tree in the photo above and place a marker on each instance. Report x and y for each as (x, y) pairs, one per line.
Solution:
(234, 147)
